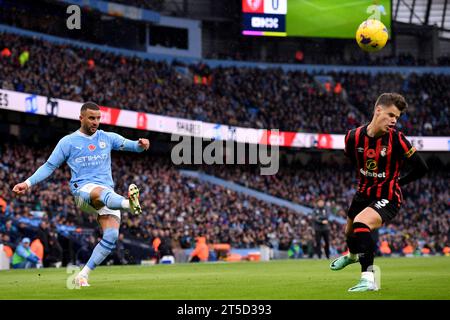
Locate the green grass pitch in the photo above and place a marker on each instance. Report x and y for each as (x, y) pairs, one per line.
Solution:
(330, 18)
(401, 278)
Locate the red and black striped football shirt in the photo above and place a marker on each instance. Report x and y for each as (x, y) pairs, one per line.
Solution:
(379, 161)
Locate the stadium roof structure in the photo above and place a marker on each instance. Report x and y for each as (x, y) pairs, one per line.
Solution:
(424, 12)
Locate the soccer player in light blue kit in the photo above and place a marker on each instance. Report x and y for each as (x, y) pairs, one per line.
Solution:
(87, 151)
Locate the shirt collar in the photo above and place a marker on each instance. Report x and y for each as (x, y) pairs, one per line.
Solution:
(85, 135)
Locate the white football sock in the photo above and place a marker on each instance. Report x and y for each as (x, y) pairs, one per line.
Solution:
(126, 204)
(85, 271)
(368, 275)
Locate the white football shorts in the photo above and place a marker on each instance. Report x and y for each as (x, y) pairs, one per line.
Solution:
(84, 193)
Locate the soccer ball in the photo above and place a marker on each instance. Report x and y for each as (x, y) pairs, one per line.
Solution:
(371, 35)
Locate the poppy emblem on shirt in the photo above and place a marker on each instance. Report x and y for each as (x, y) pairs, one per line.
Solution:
(102, 144)
(91, 147)
(371, 153)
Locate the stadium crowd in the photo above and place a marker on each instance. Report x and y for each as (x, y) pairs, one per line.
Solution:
(249, 97)
(179, 208)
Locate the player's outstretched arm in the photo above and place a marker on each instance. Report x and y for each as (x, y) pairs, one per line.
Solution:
(122, 144)
(58, 156)
(41, 174)
(144, 143)
(20, 188)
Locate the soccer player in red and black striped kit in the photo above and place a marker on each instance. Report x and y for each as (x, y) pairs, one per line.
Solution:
(379, 152)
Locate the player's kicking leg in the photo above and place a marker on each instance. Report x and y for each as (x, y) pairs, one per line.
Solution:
(100, 196)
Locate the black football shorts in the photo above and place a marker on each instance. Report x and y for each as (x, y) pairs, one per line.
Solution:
(385, 208)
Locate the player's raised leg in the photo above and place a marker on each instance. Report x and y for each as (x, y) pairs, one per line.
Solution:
(110, 225)
(106, 197)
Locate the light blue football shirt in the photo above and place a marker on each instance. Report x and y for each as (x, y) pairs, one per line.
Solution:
(89, 158)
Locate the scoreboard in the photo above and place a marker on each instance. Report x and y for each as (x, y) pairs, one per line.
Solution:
(336, 19)
(264, 17)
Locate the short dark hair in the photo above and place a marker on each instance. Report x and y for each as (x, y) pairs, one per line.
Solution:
(89, 105)
(388, 99)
